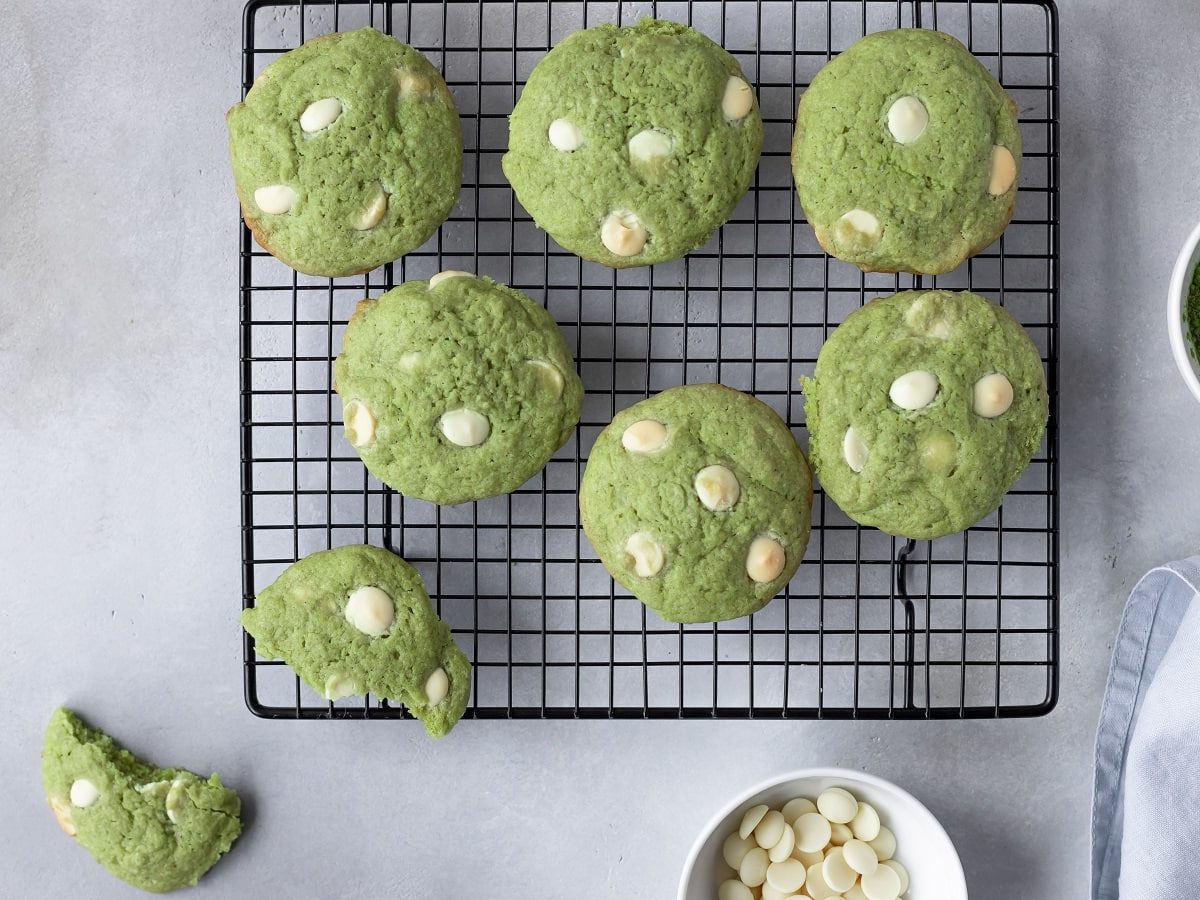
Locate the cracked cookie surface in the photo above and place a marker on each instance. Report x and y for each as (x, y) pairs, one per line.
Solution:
(699, 501)
(906, 153)
(631, 146)
(347, 153)
(924, 409)
(456, 389)
(157, 829)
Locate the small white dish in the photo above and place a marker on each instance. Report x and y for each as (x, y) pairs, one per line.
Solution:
(923, 847)
(1181, 278)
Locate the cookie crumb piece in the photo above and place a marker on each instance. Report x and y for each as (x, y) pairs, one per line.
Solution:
(374, 212)
(646, 555)
(993, 396)
(717, 487)
(765, 560)
(1004, 171)
(622, 233)
(644, 436)
(371, 610)
(564, 135)
(276, 199)
(854, 450)
(907, 119)
(914, 390)
(358, 423)
(437, 686)
(465, 427)
(449, 273)
(738, 99)
(84, 793)
(858, 227)
(320, 114)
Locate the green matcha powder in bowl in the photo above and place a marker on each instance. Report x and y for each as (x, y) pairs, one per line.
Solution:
(1183, 312)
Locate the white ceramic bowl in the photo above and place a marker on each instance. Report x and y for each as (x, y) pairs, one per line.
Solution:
(1185, 355)
(923, 847)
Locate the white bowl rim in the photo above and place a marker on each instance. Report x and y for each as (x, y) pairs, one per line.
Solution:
(1185, 264)
(832, 772)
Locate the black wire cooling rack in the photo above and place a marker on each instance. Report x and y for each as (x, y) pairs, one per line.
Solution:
(871, 626)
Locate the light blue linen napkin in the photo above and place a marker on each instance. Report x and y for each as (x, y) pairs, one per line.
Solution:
(1146, 808)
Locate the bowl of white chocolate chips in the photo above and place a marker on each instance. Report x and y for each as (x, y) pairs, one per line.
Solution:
(823, 834)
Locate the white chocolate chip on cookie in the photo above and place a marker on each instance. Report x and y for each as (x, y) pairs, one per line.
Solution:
(623, 234)
(857, 226)
(449, 273)
(62, 812)
(548, 374)
(410, 360)
(766, 559)
(370, 610)
(373, 214)
(359, 423)
(644, 436)
(938, 452)
(907, 119)
(564, 135)
(465, 427)
(717, 487)
(646, 555)
(738, 99)
(1003, 171)
(176, 799)
(649, 147)
(993, 396)
(413, 84)
(854, 450)
(320, 114)
(338, 687)
(84, 793)
(276, 199)
(437, 686)
(914, 390)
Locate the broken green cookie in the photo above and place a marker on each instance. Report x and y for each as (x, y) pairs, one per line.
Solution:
(157, 829)
(357, 620)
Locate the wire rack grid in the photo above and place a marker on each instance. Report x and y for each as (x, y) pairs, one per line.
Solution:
(871, 626)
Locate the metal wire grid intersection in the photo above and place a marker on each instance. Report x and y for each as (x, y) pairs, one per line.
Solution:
(872, 626)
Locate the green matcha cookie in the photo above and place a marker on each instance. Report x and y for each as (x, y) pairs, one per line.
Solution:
(631, 146)
(158, 829)
(699, 501)
(924, 409)
(357, 620)
(906, 153)
(457, 388)
(347, 153)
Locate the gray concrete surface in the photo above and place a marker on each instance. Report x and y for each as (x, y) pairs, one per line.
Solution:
(119, 507)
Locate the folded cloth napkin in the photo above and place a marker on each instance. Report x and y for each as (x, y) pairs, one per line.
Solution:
(1146, 808)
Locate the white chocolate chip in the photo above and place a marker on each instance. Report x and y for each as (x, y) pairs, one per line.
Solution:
(84, 793)
(647, 557)
(548, 374)
(176, 798)
(794, 809)
(837, 805)
(899, 870)
(928, 315)
(993, 396)
(914, 390)
(812, 832)
(855, 893)
(814, 858)
(437, 686)
(816, 885)
(938, 452)
(649, 147)
(882, 884)
(465, 427)
(784, 846)
(320, 114)
(371, 610)
(766, 559)
(409, 360)
(750, 820)
(753, 870)
(738, 99)
(62, 812)
(786, 876)
(413, 84)
(1003, 171)
(884, 844)
(374, 212)
(907, 119)
(837, 874)
(865, 823)
(859, 856)
(854, 450)
(359, 423)
(735, 848)
(564, 135)
(717, 488)
(840, 834)
(644, 436)
(276, 199)
(622, 233)
(858, 226)
(733, 889)
(339, 686)
(449, 273)
(768, 832)
(152, 788)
